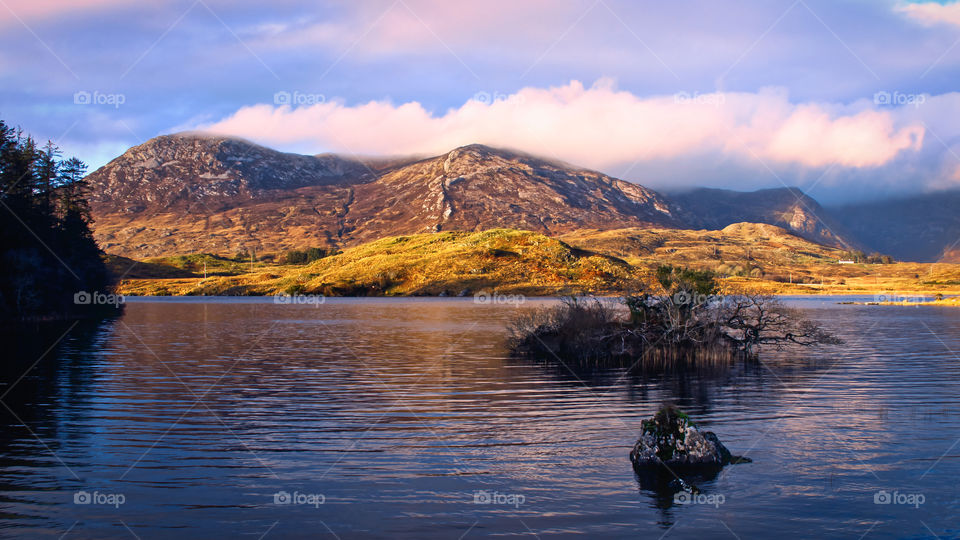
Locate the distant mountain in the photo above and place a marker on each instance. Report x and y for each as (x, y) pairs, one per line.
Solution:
(188, 193)
(788, 208)
(923, 228)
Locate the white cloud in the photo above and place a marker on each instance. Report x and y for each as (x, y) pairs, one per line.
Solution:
(598, 127)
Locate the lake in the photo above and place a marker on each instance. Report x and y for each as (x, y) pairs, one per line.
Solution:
(388, 418)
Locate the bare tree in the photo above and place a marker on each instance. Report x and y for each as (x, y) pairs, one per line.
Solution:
(752, 320)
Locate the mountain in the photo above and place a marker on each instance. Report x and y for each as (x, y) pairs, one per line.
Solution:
(789, 208)
(923, 228)
(182, 171)
(188, 193)
(476, 188)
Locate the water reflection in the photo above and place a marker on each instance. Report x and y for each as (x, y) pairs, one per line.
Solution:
(47, 385)
(400, 411)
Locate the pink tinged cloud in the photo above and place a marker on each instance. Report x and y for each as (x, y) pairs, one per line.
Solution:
(597, 127)
(932, 13)
(27, 10)
(388, 27)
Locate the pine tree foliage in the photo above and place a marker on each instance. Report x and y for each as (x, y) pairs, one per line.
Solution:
(47, 250)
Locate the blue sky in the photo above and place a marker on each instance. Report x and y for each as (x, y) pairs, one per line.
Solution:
(848, 99)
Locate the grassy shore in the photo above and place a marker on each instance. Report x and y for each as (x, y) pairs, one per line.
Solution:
(953, 301)
(754, 258)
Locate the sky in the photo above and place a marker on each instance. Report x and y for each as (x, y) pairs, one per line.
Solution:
(847, 99)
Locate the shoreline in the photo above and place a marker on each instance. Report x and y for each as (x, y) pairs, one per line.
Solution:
(502, 298)
(234, 286)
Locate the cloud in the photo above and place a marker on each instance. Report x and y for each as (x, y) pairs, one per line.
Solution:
(392, 28)
(932, 13)
(597, 126)
(12, 10)
(403, 73)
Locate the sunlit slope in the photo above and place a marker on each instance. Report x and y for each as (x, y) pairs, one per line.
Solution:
(452, 263)
(760, 258)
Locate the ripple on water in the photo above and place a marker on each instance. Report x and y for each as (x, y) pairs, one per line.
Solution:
(406, 414)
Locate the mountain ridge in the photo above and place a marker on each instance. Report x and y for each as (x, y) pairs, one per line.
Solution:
(188, 193)
(191, 192)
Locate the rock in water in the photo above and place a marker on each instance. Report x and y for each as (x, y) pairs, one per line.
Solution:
(671, 439)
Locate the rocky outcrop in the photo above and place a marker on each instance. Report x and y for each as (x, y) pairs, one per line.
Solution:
(671, 440)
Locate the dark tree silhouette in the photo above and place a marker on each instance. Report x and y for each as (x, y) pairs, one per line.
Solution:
(47, 251)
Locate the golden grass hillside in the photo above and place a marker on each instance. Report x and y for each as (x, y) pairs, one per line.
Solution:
(760, 258)
(502, 260)
(768, 259)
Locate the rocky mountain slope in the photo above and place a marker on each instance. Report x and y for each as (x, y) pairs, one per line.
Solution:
(476, 188)
(191, 193)
(177, 172)
(788, 208)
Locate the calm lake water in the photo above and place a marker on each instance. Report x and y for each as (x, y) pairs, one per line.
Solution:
(394, 418)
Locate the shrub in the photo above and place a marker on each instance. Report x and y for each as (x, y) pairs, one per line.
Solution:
(690, 317)
(305, 256)
(295, 289)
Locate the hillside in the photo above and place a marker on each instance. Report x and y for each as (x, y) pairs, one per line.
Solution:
(761, 258)
(788, 208)
(508, 261)
(765, 258)
(743, 249)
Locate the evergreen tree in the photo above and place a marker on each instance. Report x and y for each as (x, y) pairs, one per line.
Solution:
(47, 250)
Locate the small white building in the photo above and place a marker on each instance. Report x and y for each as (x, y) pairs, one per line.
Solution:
(842, 261)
